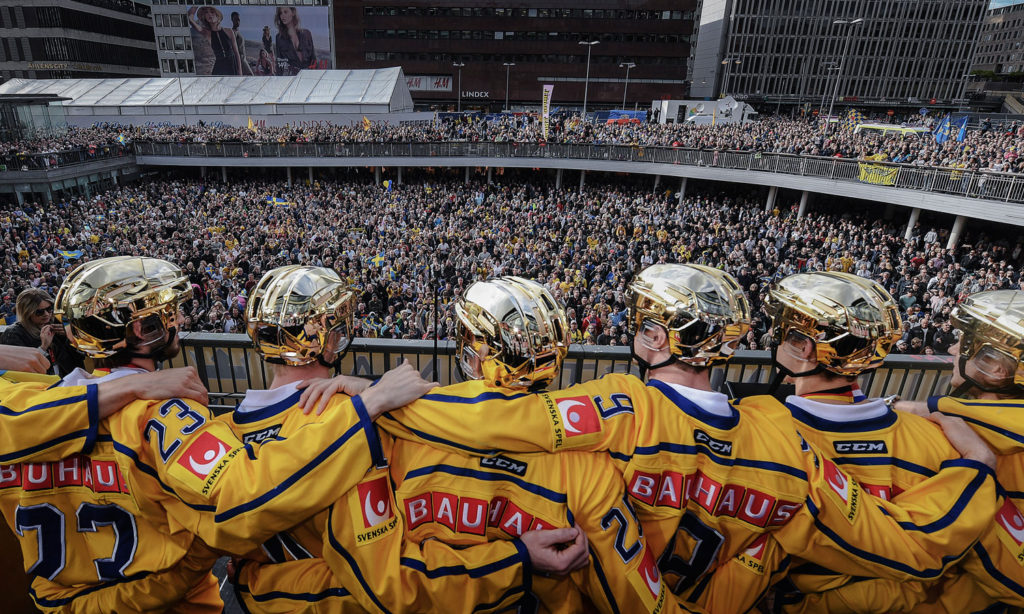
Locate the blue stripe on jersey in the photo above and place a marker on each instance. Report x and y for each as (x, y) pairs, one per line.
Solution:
(351, 562)
(262, 597)
(608, 594)
(958, 506)
(619, 456)
(500, 600)
(441, 440)
(248, 417)
(922, 574)
(46, 444)
(854, 426)
(151, 472)
(1014, 494)
(480, 398)
(290, 480)
(7, 411)
(995, 429)
(462, 570)
(372, 437)
(678, 448)
(92, 393)
(885, 460)
(56, 603)
(485, 476)
(990, 567)
(692, 409)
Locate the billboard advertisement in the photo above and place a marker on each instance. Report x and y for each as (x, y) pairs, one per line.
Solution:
(260, 40)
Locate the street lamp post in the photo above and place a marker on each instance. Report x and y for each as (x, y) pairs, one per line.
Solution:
(459, 66)
(963, 90)
(586, 81)
(508, 67)
(829, 67)
(728, 62)
(627, 66)
(842, 63)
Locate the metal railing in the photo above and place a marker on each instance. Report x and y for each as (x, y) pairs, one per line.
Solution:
(60, 159)
(228, 366)
(1005, 187)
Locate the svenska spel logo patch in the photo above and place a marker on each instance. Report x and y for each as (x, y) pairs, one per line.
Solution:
(579, 416)
(203, 454)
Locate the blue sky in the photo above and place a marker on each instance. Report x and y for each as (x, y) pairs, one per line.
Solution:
(1000, 3)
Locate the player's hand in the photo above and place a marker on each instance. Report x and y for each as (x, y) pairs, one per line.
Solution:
(918, 408)
(18, 358)
(557, 552)
(177, 383)
(396, 388)
(964, 439)
(323, 388)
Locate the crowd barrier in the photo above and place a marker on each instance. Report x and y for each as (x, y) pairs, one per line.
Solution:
(1005, 187)
(60, 159)
(229, 366)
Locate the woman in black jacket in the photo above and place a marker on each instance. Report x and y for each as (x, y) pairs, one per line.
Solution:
(34, 329)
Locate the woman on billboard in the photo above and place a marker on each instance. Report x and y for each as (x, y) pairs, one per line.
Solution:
(293, 43)
(205, 21)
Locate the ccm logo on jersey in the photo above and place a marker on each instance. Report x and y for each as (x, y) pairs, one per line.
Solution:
(469, 515)
(579, 416)
(860, 447)
(258, 436)
(672, 489)
(716, 445)
(504, 463)
(96, 475)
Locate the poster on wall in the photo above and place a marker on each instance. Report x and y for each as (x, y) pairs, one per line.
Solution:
(260, 40)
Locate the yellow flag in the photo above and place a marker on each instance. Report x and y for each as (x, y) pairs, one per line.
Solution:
(251, 125)
(366, 123)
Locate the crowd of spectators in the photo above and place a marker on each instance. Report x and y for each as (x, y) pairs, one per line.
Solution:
(405, 246)
(995, 148)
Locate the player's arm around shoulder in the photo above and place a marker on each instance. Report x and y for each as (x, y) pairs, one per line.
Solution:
(914, 537)
(1000, 422)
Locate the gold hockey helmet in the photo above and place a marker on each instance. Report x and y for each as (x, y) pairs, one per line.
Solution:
(121, 304)
(702, 308)
(992, 337)
(522, 325)
(852, 321)
(300, 314)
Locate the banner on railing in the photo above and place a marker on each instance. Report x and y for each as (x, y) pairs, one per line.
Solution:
(546, 108)
(878, 174)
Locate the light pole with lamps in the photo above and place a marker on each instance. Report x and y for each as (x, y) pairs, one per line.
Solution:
(728, 62)
(829, 67)
(627, 66)
(842, 63)
(586, 81)
(459, 65)
(508, 67)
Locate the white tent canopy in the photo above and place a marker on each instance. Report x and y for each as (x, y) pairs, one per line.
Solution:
(313, 92)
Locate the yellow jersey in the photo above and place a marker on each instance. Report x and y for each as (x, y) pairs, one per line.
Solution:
(38, 421)
(885, 451)
(103, 524)
(369, 565)
(708, 478)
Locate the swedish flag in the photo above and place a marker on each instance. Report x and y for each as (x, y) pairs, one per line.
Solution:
(942, 131)
(70, 254)
(377, 260)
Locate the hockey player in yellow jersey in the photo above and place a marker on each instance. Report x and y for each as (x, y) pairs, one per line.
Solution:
(988, 392)
(488, 505)
(37, 419)
(830, 328)
(111, 530)
(707, 478)
(383, 572)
